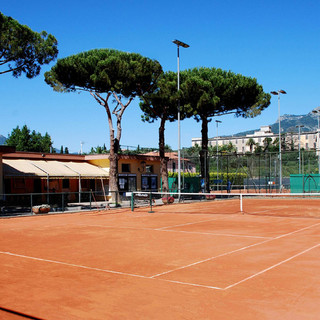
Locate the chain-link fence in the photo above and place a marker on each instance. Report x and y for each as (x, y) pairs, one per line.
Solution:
(35, 203)
(255, 172)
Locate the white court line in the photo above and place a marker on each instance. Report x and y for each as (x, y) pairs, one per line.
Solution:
(187, 224)
(272, 267)
(208, 259)
(177, 231)
(114, 227)
(233, 251)
(173, 281)
(106, 271)
(217, 234)
(191, 284)
(73, 265)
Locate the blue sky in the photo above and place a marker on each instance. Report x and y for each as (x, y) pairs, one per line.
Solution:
(275, 41)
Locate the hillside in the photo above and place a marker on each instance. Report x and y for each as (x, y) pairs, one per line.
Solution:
(2, 139)
(289, 123)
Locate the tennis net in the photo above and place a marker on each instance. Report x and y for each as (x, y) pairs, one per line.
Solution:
(276, 204)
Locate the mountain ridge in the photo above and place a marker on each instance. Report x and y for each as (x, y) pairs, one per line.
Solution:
(289, 123)
(2, 139)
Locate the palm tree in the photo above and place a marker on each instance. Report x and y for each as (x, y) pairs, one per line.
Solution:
(266, 144)
(251, 143)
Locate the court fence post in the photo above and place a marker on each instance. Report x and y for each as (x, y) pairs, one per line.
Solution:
(150, 203)
(62, 202)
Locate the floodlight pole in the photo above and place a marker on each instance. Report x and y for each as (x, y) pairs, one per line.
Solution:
(317, 111)
(299, 126)
(184, 45)
(280, 156)
(217, 146)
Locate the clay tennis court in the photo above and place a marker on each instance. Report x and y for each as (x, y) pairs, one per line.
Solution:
(183, 261)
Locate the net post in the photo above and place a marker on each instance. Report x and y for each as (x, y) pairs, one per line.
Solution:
(241, 204)
(150, 203)
(31, 203)
(132, 201)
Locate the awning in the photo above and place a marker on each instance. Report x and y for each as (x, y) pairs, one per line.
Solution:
(51, 169)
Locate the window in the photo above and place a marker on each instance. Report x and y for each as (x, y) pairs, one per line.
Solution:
(125, 167)
(149, 183)
(127, 183)
(173, 166)
(149, 168)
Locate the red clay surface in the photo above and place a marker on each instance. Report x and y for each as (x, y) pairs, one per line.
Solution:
(162, 265)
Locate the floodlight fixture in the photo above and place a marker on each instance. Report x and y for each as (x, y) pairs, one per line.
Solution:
(180, 43)
(278, 92)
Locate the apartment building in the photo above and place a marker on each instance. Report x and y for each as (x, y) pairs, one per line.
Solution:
(308, 140)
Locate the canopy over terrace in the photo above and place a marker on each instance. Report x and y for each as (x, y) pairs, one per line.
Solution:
(52, 169)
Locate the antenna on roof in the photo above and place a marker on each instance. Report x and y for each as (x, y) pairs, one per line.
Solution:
(81, 144)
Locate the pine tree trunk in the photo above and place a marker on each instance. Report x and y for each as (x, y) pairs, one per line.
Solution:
(113, 173)
(204, 168)
(163, 160)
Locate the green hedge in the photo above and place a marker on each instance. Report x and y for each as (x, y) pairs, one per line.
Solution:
(235, 178)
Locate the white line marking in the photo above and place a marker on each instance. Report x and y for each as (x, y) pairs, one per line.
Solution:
(107, 271)
(178, 231)
(186, 224)
(290, 233)
(73, 265)
(208, 259)
(179, 282)
(272, 267)
(217, 234)
(231, 252)
(191, 284)
(114, 227)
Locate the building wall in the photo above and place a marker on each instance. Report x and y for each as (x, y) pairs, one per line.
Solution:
(135, 167)
(139, 168)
